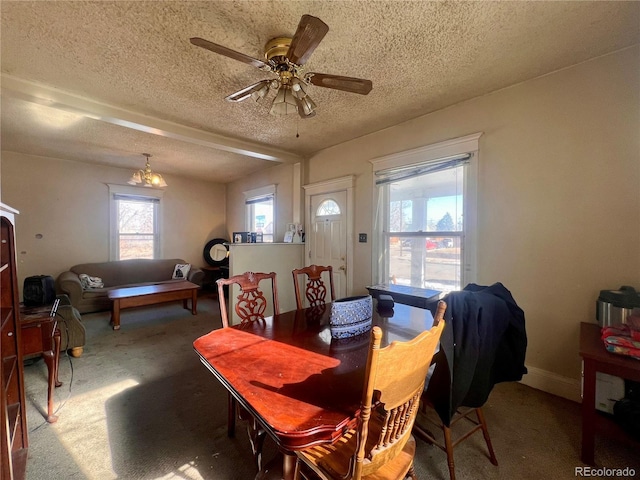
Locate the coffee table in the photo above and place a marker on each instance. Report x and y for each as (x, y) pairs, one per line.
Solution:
(151, 294)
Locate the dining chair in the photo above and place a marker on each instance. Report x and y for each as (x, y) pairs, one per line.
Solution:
(315, 288)
(380, 445)
(251, 306)
(485, 344)
(447, 445)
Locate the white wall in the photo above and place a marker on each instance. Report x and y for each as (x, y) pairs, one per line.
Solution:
(283, 177)
(68, 204)
(559, 197)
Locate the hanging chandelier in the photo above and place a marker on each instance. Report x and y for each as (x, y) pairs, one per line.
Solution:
(146, 177)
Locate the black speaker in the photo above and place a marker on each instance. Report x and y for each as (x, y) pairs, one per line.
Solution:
(385, 302)
(38, 290)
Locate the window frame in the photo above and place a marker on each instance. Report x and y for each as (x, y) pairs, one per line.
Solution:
(257, 193)
(142, 193)
(432, 153)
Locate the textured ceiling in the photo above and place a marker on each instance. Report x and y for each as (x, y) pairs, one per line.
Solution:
(105, 81)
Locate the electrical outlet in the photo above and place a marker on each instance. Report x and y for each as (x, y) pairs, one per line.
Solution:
(362, 238)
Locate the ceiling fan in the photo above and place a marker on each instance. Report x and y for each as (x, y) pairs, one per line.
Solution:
(285, 57)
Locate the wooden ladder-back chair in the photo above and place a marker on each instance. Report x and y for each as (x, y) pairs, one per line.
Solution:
(489, 324)
(315, 288)
(250, 307)
(381, 445)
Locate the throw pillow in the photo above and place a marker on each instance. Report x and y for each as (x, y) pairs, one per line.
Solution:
(181, 271)
(90, 282)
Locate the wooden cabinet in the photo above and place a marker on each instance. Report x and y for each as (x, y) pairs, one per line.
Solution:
(14, 440)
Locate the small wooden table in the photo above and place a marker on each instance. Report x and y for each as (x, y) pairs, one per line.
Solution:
(40, 337)
(150, 295)
(597, 359)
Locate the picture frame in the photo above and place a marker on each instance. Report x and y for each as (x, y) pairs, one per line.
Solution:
(241, 237)
(291, 231)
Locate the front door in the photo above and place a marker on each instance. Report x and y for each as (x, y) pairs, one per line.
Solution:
(327, 238)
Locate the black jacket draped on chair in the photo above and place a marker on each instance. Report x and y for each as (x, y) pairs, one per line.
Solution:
(484, 343)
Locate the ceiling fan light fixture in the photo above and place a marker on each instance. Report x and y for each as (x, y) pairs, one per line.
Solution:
(284, 103)
(261, 92)
(306, 106)
(298, 88)
(260, 88)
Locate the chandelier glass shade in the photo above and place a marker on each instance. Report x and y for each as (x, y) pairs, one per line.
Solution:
(146, 177)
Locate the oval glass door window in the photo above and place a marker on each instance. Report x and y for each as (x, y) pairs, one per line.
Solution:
(328, 207)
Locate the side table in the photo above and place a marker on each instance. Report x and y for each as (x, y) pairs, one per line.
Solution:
(41, 337)
(596, 358)
(414, 296)
(211, 274)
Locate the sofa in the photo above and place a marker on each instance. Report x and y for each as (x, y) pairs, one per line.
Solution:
(118, 274)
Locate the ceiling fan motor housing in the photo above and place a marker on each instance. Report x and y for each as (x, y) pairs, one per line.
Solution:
(277, 47)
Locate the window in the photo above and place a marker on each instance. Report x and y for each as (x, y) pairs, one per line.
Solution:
(260, 205)
(425, 218)
(328, 207)
(135, 224)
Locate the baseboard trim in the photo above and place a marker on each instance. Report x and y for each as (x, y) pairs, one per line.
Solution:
(553, 383)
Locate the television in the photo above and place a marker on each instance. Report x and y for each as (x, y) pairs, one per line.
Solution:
(38, 290)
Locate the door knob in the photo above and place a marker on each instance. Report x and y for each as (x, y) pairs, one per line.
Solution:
(342, 267)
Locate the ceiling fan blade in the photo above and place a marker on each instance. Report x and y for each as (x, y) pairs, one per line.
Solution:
(310, 32)
(227, 52)
(337, 82)
(245, 93)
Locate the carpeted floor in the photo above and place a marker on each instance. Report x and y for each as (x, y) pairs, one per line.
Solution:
(138, 404)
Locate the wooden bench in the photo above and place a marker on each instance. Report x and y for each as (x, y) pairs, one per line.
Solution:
(150, 295)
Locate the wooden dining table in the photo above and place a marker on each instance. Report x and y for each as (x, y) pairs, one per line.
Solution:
(303, 387)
